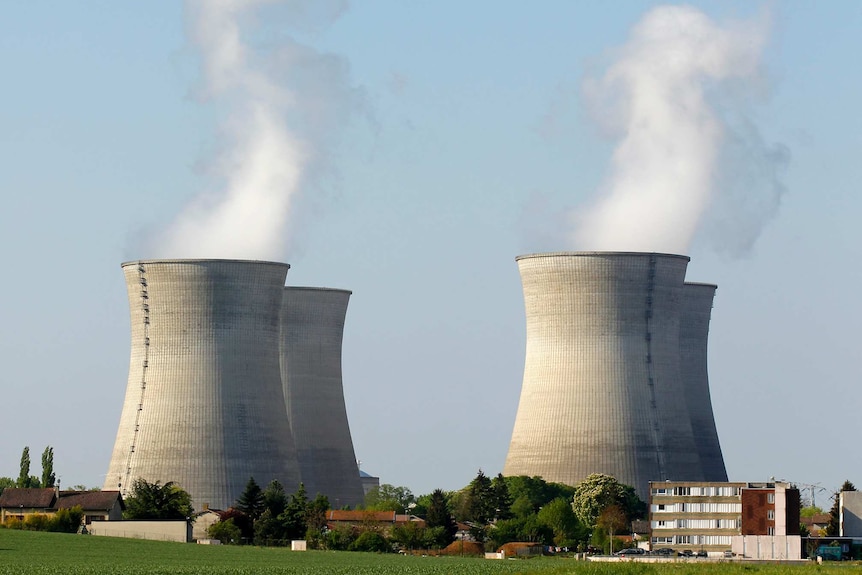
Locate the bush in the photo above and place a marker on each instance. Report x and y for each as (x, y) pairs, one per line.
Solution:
(13, 523)
(225, 531)
(66, 520)
(371, 541)
(340, 538)
(36, 522)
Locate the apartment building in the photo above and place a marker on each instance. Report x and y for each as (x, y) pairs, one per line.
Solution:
(719, 517)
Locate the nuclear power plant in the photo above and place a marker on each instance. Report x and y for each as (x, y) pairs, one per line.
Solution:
(615, 377)
(205, 403)
(312, 328)
(693, 339)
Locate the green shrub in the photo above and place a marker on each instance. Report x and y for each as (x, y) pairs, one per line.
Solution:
(371, 541)
(340, 538)
(225, 531)
(36, 522)
(66, 520)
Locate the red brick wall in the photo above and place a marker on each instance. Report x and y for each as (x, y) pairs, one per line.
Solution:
(755, 511)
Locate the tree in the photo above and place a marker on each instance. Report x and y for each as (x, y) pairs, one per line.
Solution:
(251, 501)
(611, 520)
(274, 498)
(410, 535)
(225, 531)
(315, 519)
(531, 493)
(598, 491)
(48, 477)
(560, 518)
(241, 521)
(370, 541)
(6, 482)
(295, 518)
(389, 498)
(502, 498)
(24, 475)
(833, 527)
(156, 501)
(480, 504)
(810, 511)
(438, 515)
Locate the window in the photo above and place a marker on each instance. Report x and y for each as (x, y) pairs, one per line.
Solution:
(770, 498)
(770, 530)
(770, 514)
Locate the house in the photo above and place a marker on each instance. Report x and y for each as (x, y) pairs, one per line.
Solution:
(384, 520)
(756, 520)
(96, 505)
(816, 524)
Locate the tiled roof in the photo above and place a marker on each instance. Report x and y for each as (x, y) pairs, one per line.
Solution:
(342, 515)
(27, 497)
(89, 500)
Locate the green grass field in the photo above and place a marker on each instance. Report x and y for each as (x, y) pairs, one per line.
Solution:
(25, 552)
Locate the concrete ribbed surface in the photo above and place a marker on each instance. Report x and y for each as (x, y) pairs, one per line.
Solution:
(602, 389)
(312, 329)
(693, 343)
(204, 404)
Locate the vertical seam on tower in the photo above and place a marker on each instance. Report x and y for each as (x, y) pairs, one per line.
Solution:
(656, 421)
(145, 309)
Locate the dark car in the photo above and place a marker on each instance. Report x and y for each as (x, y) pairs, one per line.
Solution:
(685, 553)
(664, 552)
(630, 551)
(702, 553)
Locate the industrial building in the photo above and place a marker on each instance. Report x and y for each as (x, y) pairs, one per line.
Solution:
(697, 301)
(751, 520)
(204, 404)
(312, 328)
(615, 377)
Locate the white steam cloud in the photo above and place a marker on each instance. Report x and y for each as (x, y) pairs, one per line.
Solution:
(676, 97)
(280, 102)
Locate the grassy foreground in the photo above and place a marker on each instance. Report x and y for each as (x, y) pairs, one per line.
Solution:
(25, 552)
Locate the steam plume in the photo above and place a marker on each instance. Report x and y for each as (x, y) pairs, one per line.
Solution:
(280, 107)
(676, 97)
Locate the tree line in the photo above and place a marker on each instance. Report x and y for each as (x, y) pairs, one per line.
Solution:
(47, 479)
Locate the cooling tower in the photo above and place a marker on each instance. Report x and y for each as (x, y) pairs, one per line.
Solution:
(693, 338)
(204, 404)
(602, 389)
(312, 326)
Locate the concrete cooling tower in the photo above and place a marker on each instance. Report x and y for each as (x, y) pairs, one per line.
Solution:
(693, 338)
(603, 388)
(204, 404)
(312, 327)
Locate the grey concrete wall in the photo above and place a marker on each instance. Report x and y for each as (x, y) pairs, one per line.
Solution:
(204, 404)
(178, 531)
(312, 329)
(693, 343)
(602, 389)
(851, 513)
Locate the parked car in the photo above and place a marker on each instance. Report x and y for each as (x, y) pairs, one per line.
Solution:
(630, 551)
(702, 553)
(664, 552)
(685, 553)
(728, 553)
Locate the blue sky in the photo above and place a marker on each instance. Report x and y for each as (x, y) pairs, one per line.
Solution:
(464, 139)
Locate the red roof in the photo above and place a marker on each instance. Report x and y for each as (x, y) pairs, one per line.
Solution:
(359, 516)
